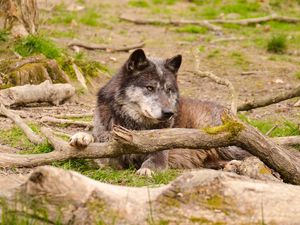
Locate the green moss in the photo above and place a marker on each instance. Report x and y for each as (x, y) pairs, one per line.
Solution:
(277, 44)
(240, 59)
(213, 53)
(229, 125)
(264, 170)
(35, 44)
(203, 220)
(192, 29)
(164, 2)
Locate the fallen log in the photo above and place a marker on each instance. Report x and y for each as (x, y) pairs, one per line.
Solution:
(111, 49)
(270, 100)
(44, 92)
(139, 21)
(67, 197)
(231, 133)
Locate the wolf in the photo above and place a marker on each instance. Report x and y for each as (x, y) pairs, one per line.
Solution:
(144, 95)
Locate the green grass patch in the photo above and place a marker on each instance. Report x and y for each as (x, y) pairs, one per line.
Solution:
(284, 128)
(36, 44)
(88, 67)
(297, 75)
(240, 59)
(16, 138)
(164, 2)
(277, 44)
(90, 18)
(4, 34)
(191, 29)
(242, 7)
(120, 177)
(139, 4)
(214, 53)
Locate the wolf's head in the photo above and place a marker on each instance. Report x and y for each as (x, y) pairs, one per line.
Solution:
(149, 90)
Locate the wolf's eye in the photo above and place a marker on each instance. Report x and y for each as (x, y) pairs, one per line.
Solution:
(150, 88)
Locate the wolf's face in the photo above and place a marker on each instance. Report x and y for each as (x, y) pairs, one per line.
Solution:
(149, 88)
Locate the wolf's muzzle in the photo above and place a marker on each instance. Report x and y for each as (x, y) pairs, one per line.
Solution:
(167, 114)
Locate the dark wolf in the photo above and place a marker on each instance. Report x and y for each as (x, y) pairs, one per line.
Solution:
(144, 95)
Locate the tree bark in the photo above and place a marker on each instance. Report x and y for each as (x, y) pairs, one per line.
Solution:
(20, 16)
(203, 196)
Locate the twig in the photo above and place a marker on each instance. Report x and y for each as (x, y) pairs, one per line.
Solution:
(48, 119)
(271, 130)
(227, 39)
(79, 115)
(264, 19)
(79, 76)
(89, 46)
(270, 100)
(247, 73)
(33, 137)
(202, 23)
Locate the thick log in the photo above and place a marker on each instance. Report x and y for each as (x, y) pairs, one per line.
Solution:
(44, 92)
(205, 195)
(128, 142)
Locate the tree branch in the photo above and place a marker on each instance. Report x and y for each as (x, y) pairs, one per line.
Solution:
(270, 100)
(139, 21)
(232, 132)
(33, 137)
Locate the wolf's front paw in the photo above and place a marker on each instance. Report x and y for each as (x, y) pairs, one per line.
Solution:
(81, 139)
(144, 172)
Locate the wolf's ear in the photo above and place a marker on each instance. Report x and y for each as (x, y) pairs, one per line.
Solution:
(174, 63)
(137, 60)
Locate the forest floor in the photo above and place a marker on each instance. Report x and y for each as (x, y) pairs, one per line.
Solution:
(98, 22)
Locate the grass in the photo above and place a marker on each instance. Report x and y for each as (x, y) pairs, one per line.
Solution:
(297, 75)
(284, 128)
(191, 29)
(37, 44)
(277, 44)
(90, 18)
(139, 3)
(4, 35)
(120, 177)
(88, 67)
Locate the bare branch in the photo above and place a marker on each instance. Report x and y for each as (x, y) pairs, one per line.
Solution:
(33, 137)
(270, 100)
(202, 23)
(52, 120)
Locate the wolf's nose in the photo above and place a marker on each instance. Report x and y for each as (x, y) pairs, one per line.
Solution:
(167, 114)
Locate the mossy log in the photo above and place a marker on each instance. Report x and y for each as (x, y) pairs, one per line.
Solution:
(54, 195)
(31, 70)
(44, 92)
(231, 133)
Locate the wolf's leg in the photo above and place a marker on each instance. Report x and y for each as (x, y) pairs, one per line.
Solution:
(81, 139)
(154, 161)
